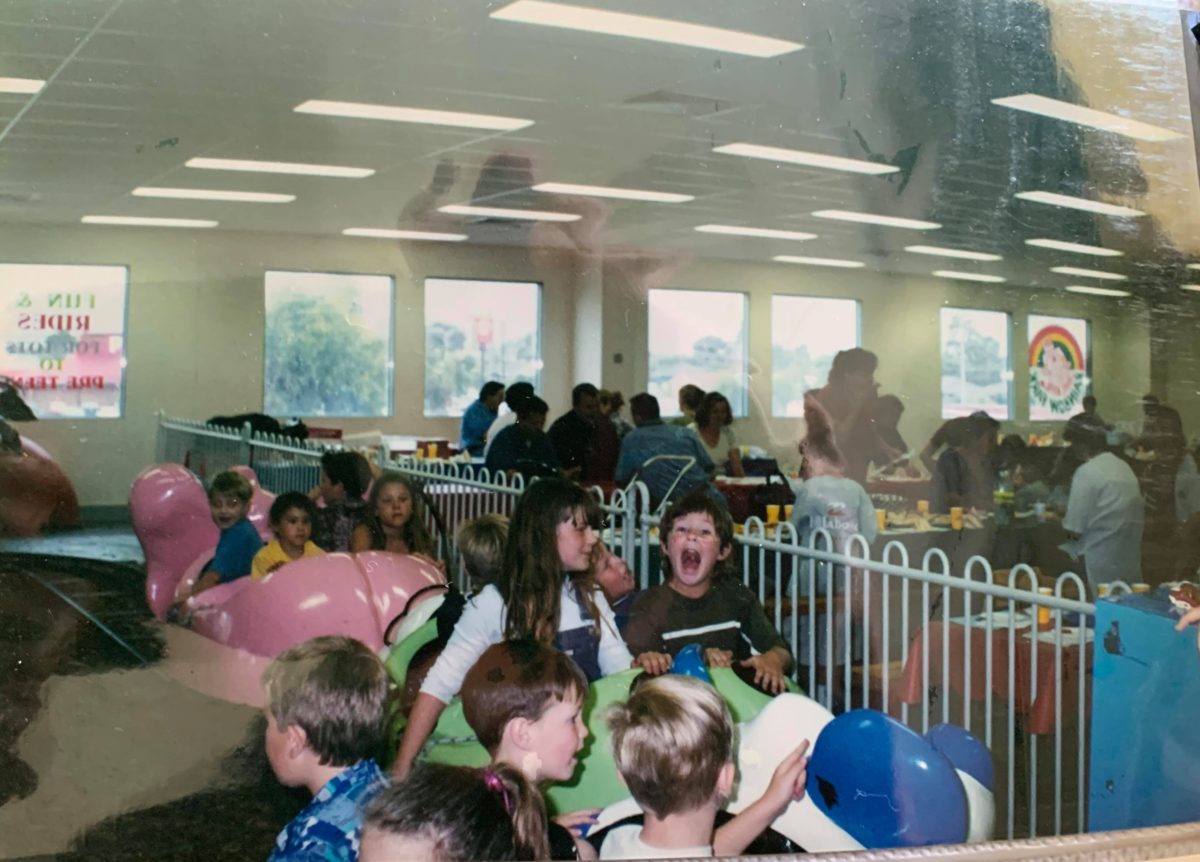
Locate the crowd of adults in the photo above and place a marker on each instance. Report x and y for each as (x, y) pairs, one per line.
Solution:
(1121, 497)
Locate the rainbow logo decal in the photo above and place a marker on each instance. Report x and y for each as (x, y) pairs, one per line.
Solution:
(1056, 371)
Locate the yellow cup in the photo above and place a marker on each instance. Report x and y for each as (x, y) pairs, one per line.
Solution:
(922, 507)
(881, 519)
(1043, 613)
(787, 512)
(1103, 590)
(419, 454)
(433, 450)
(1141, 588)
(772, 513)
(956, 517)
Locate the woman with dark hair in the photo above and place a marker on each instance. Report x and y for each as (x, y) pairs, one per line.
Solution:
(714, 417)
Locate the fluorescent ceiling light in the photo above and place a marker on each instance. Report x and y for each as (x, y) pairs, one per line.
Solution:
(148, 222)
(1087, 117)
(1097, 291)
(1084, 204)
(1074, 247)
(1192, 287)
(380, 233)
(643, 27)
(212, 195)
(885, 221)
(769, 233)
(21, 85)
(937, 251)
(1193, 266)
(819, 261)
(396, 114)
(279, 168)
(499, 212)
(968, 276)
(801, 157)
(611, 192)
(1089, 273)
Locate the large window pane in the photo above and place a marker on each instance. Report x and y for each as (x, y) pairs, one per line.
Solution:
(328, 349)
(975, 363)
(697, 336)
(476, 331)
(806, 333)
(64, 337)
(1058, 366)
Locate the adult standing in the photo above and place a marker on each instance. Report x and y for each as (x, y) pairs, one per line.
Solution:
(689, 400)
(714, 418)
(516, 393)
(573, 433)
(1105, 511)
(848, 396)
(478, 418)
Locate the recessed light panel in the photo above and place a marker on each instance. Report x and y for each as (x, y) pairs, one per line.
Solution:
(24, 86)
(1097, 291)
(802, 157)
(500, 212)
(138, 221)
(1055, 200)
(968, 276)
(1088, 273)
(298, 168)
(1193, 266)
(936, 251)
(212, 195)
(382, 233)
(1195, 288)
(593, 20)
(1074, 247)
(765, 232)
(882, 220)
(612, 192)
(819, 261)
(424, 116)
(1102, 120)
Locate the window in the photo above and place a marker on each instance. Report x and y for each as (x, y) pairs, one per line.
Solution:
(1058, 366)
(328, 344)
(64, 338)
(975, 370)
(699, 337)
(476, 331)
(806, 333)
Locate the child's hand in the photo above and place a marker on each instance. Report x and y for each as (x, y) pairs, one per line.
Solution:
(787, 783)
(768, 672)
(653, 663)
(714, 657)
(1190, 618)
(578, 822)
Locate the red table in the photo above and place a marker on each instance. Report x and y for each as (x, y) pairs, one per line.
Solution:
(1038, 707)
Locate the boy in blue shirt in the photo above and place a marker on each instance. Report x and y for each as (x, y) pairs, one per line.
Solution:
(229, 501)
(326, 721)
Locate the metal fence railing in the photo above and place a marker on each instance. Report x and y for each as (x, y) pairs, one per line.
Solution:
(1005, 655)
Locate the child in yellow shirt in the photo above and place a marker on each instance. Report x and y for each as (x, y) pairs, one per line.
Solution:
(291, 521)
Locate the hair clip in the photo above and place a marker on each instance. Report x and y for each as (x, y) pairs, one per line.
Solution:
(496, 784)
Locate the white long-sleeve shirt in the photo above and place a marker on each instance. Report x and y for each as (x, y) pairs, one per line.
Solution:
(482, 625)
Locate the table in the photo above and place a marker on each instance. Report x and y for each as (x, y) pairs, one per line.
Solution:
(1037, 707)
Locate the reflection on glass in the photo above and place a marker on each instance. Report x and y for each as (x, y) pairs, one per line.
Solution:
(975, 363)
(697, 337)
(806, 332)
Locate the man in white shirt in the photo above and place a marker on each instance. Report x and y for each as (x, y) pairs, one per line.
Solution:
(1105, 511)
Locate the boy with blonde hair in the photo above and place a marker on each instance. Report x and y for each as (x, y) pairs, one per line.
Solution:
(481, 542)
(326, 722)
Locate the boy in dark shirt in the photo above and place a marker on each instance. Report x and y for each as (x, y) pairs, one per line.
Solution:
(702, 604)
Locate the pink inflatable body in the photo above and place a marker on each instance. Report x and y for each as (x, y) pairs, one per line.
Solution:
(34, 492)
(359, 595)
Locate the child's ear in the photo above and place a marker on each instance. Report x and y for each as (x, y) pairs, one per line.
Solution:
(725, 551)
(297, 740)
(519, 732)
(725, 780)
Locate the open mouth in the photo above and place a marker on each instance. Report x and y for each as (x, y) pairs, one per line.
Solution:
(690, 559)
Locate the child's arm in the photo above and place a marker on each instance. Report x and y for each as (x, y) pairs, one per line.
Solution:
(786, 787)
(770, 669)
(360, 539)
(426, 711)
(206, 581)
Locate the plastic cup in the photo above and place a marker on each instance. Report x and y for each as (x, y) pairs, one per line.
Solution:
(922, 507)
(1039, 511)
(1141, 588)
(1102, 590)
(1043, 613)
(956, 517)
(433, 450)
(881, 519)
(787, 512)
(772, 513)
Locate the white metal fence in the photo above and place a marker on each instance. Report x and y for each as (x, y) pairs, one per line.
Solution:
(984, 650)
